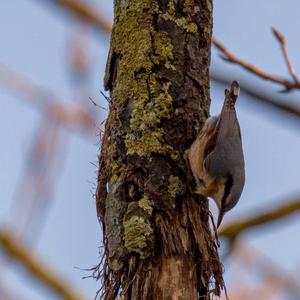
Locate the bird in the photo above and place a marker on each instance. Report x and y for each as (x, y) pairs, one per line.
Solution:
(216, 156)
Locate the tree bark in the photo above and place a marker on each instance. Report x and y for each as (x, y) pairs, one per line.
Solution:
(158, 243)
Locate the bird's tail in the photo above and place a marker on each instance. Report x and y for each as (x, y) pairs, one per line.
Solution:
(231, 96)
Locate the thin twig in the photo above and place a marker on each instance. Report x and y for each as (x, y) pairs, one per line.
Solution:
(281, 39)
(88, 15)
(230, 57)
(264, 98)
(258, 96)
(97, 105)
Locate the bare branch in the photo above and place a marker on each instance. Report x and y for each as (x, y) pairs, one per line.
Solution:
(46, 156)
(230, 57)
(45, 160)
(263, 97)
(92, 18)
(85, 12)
(37, 269)
(71, 116)
(281, 39)
(231, 231)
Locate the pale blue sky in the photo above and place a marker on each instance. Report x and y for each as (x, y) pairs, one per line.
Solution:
(34, 42)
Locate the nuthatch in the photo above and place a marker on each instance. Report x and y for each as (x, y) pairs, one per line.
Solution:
(216, 157)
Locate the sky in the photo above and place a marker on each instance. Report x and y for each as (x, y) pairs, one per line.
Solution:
(34, 44)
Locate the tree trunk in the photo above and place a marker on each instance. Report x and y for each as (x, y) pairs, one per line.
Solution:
(158, 243)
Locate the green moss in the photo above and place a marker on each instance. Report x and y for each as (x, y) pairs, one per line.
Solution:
(136, 231)
(175, 187)
(146, 205)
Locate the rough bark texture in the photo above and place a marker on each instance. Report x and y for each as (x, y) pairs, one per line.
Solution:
(158, 244)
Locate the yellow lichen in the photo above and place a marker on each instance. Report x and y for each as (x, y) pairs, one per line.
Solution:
(171, 7)
(146, 135)
(136, 231)
(196, 9)
(188, 6)
(115, 165)
(146, 205)
(132, 41)
(115, 264)
(209, 5)
(162, 48)
(149, 142)
(140, 48)
(184, 22)
(175, 187)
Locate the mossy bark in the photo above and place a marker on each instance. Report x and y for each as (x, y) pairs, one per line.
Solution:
(158, 243)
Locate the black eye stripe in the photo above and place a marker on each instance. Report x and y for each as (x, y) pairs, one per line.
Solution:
(228, 186)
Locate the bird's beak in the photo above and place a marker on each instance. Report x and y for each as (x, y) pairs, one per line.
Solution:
(220, 218)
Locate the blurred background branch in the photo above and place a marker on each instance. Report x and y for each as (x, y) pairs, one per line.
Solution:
(9, 294)
(274, 103)
(17, 251)
(273, 282)
(288, 208)
(60, 118)
(68, 115)
(261, 96)
(85, 11)
(47, 153)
